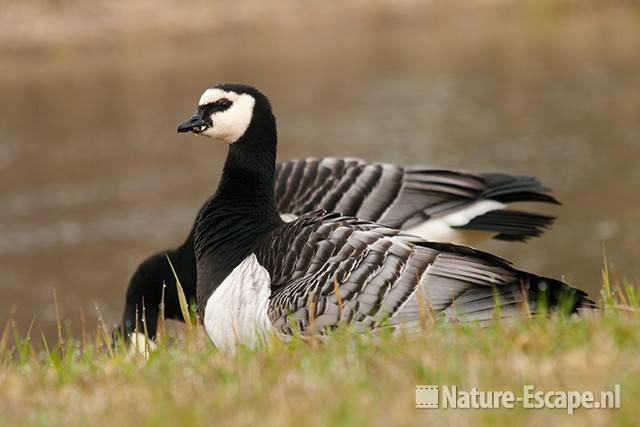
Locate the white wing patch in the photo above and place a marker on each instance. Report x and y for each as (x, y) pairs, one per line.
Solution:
(288, 217)
(228, 125)
(236, 312)
(442, 229)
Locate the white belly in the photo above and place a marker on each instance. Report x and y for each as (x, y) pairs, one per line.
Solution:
(236, 312)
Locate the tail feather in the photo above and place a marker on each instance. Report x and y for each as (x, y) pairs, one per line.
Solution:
(471, 202)
(531, 295)
(510, 225)
(510, 188)
(463, 284)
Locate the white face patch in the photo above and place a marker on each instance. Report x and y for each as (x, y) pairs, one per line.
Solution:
(228, 125)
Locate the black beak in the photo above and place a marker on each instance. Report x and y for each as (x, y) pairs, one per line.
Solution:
(195, 124)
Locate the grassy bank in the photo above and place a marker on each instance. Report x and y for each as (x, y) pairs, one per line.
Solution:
(347, 380)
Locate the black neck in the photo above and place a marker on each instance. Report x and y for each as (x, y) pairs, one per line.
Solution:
(242, 211)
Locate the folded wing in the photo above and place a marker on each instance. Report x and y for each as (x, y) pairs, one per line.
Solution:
(329, 269)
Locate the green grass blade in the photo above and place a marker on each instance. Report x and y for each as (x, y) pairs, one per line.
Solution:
(182, 299)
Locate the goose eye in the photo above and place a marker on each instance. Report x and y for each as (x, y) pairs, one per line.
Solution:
(224, 102)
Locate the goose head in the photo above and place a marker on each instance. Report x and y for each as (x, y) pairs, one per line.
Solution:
(228, 112)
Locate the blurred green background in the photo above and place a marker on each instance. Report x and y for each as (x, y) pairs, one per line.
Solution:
(94, 177)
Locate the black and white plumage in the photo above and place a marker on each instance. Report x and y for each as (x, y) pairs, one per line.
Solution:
(256, 274)
(436, 204)
(379, 270)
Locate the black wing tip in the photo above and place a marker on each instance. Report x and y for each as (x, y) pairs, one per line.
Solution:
(511, 225)
(458, 184)
(507, 188)
(556, 294)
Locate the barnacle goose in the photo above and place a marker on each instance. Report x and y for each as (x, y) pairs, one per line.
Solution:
(437, 204)
(257, 274)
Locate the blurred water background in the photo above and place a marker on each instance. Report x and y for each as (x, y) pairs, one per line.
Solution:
(93, 177)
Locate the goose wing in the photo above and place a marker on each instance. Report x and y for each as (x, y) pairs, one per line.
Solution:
(465, 202)
(437, 204)
(350, 186)
(329, 269)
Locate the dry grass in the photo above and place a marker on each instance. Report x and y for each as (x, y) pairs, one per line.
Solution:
(348, 380)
